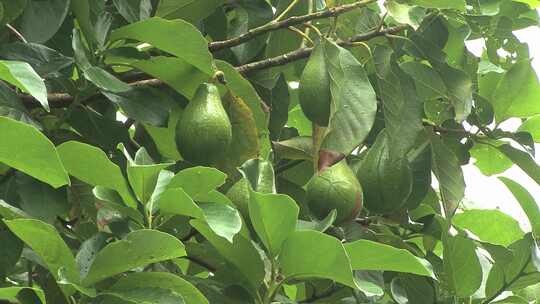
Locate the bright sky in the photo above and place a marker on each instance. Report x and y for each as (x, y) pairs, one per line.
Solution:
(489, 192)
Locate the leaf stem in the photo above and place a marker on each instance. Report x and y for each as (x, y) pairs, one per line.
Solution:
(287, 10)
(17, 33)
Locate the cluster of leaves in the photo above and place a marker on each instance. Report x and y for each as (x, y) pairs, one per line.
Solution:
(93, 210)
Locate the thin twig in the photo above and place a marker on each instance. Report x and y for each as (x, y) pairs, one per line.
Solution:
(17, 33)
(291, 21)
(60, 100)
(302, 34)
(287, 10)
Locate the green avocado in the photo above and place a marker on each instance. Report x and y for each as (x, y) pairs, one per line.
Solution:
(314, 89)
(335, 188)
(204, 131)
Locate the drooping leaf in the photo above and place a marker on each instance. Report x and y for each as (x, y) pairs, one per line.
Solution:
(47, 243)
(176, 72)
(369, 255)
(461, 265)
(42, 19)
(526, 201)
(189, 10)
(23, 76)
(523, 160)
(91, 165)
(26, 149)
(46, 62)
(188, 44)
(139, 248)
(241, 253)
(449, 174)
(330, 262)
(354, 103)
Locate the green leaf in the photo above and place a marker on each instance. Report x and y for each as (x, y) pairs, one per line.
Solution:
(11, 252)
(300, 147)
(408, 288)
(23, 76)
(489, 159)
(523, 161)
(274, 218)
(241, 254)
(223, 219)
(492, 226)
(91, 165)
(532, 125)
(12, 107)
(144, 104)
(45, 61)
(531, 3)
(40, 200)
(26, 149)
(461, 265)
(441, 4)
(42, 19)
(10, 293)
(176, 72)
(402, 108)
(260, 175)
(198, 181)
(47, 243)
(143, 175)
(11, 9)
(429, 83)
(516, 93)
(105, 80)
(143, 295)
(162, 280)
(369, 255)
(188, 44)
(134, 11)
(189, 10)
(112, 200)
(139, 248)
(354, 102)
(460, 90)
(527, 203)
(407, 14)
(449, 174)
(311, 254)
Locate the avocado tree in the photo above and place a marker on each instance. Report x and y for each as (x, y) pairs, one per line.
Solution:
(264, 151)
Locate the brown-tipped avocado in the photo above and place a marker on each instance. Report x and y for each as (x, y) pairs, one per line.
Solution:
(204, 131)
(335, 188)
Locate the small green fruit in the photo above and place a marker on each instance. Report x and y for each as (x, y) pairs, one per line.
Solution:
(335, 188)
(239, 196)
(314, 90)
(204, 131)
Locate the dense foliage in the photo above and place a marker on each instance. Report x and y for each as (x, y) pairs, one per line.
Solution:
(264, 151)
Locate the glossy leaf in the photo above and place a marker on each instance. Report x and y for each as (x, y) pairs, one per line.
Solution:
(197, 181)
(490, 160)
(274, 218)
(23, 76)
(139, 248)
(161, 280)
(26, 149)
(369, 255)
(42, 19)
(241, 253)
(523, 160)
(47, 243)
(189, 10)
(10, 293)
(188, 44)
(330, 262)
(92, 166)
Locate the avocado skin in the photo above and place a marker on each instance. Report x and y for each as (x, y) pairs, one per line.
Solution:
(335, 188)
(204, 131)
(314, 89)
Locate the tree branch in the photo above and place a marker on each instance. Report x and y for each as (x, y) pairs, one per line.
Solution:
(60, 100)
(291, 21)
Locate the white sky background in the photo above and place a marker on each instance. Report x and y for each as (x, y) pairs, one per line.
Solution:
(489, 192)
